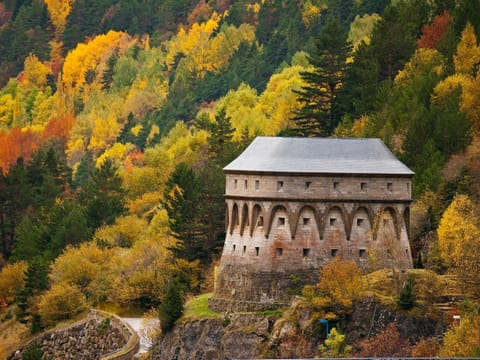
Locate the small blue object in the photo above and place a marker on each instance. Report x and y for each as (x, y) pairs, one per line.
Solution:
(325, 322)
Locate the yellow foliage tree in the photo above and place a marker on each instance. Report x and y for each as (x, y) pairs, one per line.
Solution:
(12, 278)
(6, 110)
(35, 72)
(467, 56)
(461, 340)
(466, 77)
(62, 301)
(117, 153)
(341, 282)
(83, 267)
(459, 240)
(58, 11)
(141, 272)
(126, 231)
(361, 28)
(91, 57)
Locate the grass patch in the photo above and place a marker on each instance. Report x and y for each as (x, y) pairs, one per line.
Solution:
(197, 308)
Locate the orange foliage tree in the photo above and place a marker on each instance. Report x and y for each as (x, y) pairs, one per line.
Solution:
(433, 33)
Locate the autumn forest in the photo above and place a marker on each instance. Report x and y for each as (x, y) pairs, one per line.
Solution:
(117, 117)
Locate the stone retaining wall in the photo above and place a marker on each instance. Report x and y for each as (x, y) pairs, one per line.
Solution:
(99, 336)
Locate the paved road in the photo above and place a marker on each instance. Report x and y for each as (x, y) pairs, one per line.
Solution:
(138, 325)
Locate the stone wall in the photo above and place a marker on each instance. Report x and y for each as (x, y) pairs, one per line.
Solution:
(292, 186)
(99, 336)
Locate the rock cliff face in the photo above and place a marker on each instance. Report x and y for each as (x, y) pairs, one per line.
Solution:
(292, 335)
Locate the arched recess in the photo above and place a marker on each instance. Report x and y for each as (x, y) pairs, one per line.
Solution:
(386, 224)
(235, 220)
(307, 219)
(360, 227)
(244, 219)
(335, 223)
(406, 219)
(271, 217)
(257, 219)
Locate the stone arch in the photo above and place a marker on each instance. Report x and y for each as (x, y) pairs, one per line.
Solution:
(364, 228)
(381, 223)
(235, 218)
(313, 223)
(298, 216)
(406, 219)
(335, 225)
(271, 216)
(326, 218)
(244, 219)
(256, 216)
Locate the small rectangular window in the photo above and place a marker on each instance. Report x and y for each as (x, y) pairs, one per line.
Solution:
(257, 250)
(390, 187)
(260, 221)
(235, 183)
(257, 184)
(363, 186)
(281, 221)
(334, 252)
(362, 253)
(332, 221)
(306, 221)
(335, 185)
(244, 249)
(359, 222)
(279, 185)
(234, 247)
(278, 251)
(307, 185)
(306, 252)
(246, 184)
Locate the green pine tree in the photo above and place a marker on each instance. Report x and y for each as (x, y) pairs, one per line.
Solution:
(407, 297)
(171, 307)
(319, 111)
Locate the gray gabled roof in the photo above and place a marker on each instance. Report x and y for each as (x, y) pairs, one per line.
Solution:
(318, 156)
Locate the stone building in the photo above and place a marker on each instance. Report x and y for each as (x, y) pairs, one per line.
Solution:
(293, 204)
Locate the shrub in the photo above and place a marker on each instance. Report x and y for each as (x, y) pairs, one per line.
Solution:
(61, 302)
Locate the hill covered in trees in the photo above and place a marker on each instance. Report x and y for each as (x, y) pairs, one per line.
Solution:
(116, 118)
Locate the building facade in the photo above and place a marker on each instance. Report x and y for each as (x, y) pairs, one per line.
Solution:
(293, 204)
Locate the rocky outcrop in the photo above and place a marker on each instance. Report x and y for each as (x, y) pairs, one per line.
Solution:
(98, 336)
(239, 336)
(292, 335)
